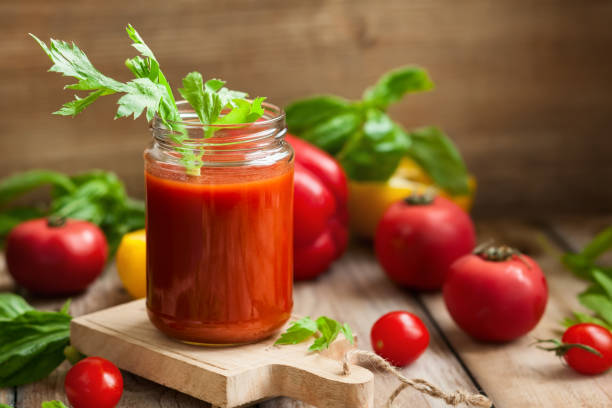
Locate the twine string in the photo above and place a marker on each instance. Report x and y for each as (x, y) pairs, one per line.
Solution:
(451, 398)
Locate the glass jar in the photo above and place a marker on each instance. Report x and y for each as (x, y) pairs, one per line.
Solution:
(219, 229)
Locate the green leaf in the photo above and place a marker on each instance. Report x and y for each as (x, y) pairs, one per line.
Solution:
(333, 133)
(31, 346)
(53, 404)
(348, 333)
(12, 305)
(604, 282)
(14, 216)
(305, 114)
(329, 329)
(139, 43)
(435, 153)
(213, 85)
(66, 307)
(210, 98)
(600, 244)
(5, 406)
(599, 303)
(14, 186)
(77, 106)
(142, 94)
(148, 91)
(70, 61)
(207, 104)
(393, 85)
(374, 153)
(149, 68)
(578, 264)
(298, 331)
(244, 112)
(584, 318)
(305, 328)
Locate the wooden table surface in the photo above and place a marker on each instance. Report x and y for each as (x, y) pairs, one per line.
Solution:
(355, 290)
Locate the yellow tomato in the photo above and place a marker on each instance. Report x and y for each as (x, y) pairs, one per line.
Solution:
(369, 200)
(132, 263)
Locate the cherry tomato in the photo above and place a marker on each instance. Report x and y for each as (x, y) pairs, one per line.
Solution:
(497, 295)
(399, 337)
(93, 383)
(55, 257)
(592, 335)
(418, 239)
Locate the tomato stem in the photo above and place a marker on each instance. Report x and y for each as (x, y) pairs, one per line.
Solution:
(425, 198)
(561, 348)
(56, 222)
(501, 253)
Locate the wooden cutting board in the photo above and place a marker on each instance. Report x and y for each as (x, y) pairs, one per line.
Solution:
(224, 376)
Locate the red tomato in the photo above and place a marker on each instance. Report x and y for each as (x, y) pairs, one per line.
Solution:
(496, 298)
(399, 337)
(418, 239)
(52, 258)
(93, 383)
(320, 226)
(591, 335)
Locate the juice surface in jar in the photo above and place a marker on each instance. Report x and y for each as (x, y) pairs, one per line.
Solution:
(219, 246)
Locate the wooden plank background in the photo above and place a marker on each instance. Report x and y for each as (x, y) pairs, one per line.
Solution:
(524, 87)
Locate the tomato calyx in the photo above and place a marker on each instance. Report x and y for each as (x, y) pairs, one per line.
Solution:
(425, 198)
(560, 348)
(55, 221)
(73, 355)
(501, 253)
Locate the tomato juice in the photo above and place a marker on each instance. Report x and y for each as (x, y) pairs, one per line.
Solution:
(218, 257)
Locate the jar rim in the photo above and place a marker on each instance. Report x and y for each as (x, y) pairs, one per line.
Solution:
(277, 115)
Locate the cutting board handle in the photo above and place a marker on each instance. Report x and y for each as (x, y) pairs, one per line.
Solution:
(317, 381)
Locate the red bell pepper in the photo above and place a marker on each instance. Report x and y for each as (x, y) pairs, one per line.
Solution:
(320, 211)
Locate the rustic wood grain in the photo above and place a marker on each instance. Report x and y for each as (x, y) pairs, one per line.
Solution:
(517, 374)
(225, 377)
(523, 83)
(356, 291)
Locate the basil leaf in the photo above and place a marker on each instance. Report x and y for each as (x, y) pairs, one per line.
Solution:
(332, 133)
(600, 244)
(578, 264)
(31, 346)
(329, 329)
(604, 282)
(435, 153)
(348, 333)
(298, 331)
(374, 152)
(393, 85)
(599, 303)
(305, 328)
(12, 217)
(53, 404)
(12, 305)
(584, 318)
(308, 113)
(100, 198)
(18, 184)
